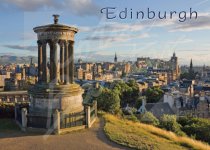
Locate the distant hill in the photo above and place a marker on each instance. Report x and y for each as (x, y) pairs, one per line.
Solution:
(6, 59)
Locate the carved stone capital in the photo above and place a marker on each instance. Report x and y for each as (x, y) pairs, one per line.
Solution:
(71, 43)
(61, 43)
(39, 43)
(53, 42)
(66, 42)
(44, 42)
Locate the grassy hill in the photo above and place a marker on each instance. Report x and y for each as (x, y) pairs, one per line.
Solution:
(147, 137)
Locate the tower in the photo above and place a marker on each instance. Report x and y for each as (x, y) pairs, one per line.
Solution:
(59, 93)
(175, 65)
(31, 63)
(115, 58)
(23, 73)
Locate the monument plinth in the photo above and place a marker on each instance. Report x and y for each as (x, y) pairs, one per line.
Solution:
(56, 90)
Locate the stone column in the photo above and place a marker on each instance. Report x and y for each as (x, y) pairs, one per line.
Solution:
(62, 62)
(56, 122)
(66, 65)
(71, 62)
(44, 62)
(39, 61)
(24, 118)
(51, 62)
(55, 62)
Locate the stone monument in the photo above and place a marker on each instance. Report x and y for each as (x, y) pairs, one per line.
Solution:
(55, 90)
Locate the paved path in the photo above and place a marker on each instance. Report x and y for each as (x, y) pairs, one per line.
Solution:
(88, 139)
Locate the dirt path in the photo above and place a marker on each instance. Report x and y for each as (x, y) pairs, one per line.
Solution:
(88, 139)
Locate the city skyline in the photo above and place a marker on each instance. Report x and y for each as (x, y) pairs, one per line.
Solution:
(101, 38)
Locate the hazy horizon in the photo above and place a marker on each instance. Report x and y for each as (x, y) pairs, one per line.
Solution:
(99, 37)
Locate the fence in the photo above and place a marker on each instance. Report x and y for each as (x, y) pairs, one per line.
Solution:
(58, 121)
(40, 121)
(72, 120)
(7, 110)
(18, 115)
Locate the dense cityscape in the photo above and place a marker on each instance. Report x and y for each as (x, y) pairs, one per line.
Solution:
(160, 87)
(185, 87)
(53, 96)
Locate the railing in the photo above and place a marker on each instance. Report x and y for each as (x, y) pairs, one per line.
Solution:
(19, 115)
(40, 121)
(72, 120)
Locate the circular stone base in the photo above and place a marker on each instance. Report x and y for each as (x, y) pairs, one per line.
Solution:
(47, 98)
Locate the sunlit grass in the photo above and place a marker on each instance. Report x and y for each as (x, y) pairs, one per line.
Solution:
(147, 137)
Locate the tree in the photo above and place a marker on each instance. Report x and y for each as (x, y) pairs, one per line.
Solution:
(184, 75)
(154, 94)
(128, 92)
(109, 101)
(139, 101)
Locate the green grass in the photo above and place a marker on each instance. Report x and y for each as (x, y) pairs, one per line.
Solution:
(8, 125)
(147, 137)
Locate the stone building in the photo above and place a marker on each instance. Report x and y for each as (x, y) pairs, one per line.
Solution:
(80, 73)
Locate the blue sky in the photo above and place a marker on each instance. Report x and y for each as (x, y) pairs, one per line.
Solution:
(99, 38)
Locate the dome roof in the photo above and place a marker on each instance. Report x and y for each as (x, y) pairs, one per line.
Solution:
(55, 27)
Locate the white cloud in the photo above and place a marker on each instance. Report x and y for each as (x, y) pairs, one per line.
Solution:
(81, 7)
(201, 23)
(117, 38)
(77, 7)
(29, 5)
(114, 27)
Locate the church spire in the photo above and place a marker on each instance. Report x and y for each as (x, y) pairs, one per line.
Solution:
(115, 58)
(191, 64)
(191, 71)
(174, 54)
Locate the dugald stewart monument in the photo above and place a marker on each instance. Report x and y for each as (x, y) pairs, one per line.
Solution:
(55, 91)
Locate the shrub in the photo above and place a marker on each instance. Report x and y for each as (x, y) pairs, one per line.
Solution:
(149, 118)
(169, 123)
(132, 118)
(129, 111)
(196, 127)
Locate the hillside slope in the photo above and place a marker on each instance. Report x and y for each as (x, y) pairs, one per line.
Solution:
(147, 137)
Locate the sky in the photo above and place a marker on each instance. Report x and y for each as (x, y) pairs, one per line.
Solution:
(99, 38)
